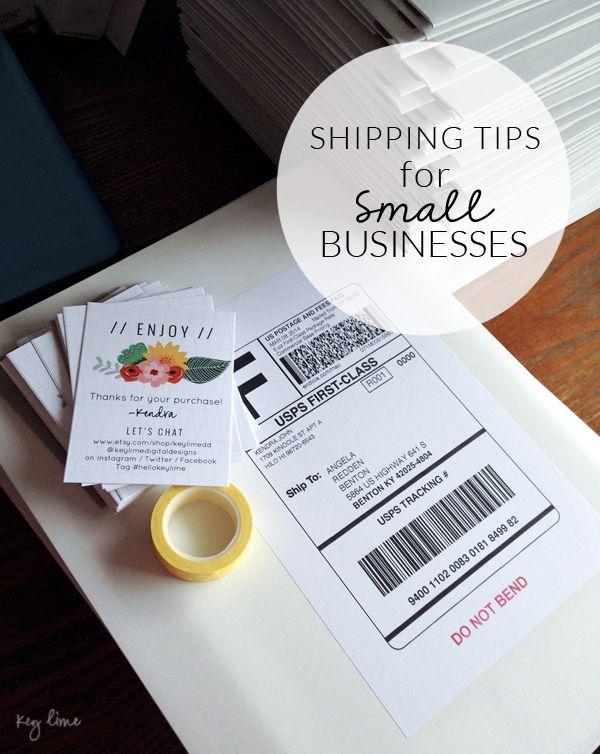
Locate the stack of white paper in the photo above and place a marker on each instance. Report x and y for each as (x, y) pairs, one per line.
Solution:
(263, 61)
(118, 384)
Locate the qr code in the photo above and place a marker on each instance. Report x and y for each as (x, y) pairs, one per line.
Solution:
(331, 346)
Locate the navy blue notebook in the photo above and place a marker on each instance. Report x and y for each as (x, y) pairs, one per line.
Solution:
(52, 225)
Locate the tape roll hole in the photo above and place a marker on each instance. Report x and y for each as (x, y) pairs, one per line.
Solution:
(201, 524)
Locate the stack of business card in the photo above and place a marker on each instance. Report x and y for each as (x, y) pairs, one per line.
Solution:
(139, 388)
(263, 62)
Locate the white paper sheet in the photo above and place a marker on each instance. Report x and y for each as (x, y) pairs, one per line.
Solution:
(420, 521)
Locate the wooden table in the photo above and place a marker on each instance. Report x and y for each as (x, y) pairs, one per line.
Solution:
(555, 329)
(161, 153)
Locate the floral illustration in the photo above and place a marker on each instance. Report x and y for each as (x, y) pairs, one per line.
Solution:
(160, 364)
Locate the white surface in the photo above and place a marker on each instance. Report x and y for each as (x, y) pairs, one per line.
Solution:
(309, 428)
(244, 664)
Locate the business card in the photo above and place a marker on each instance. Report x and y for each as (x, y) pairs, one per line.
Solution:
(154, 396)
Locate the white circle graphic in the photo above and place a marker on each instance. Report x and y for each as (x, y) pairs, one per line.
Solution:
(431, 177)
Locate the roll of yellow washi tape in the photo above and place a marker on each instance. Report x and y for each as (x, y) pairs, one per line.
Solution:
(193, 567)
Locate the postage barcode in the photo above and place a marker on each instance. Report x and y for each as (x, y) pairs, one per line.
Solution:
(332, 345)
(404, 553)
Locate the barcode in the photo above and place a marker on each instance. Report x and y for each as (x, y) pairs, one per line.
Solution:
(331, 346)
(430, 533)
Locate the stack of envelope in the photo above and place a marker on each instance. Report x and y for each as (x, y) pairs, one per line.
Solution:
(262, 61)
(46, 367)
